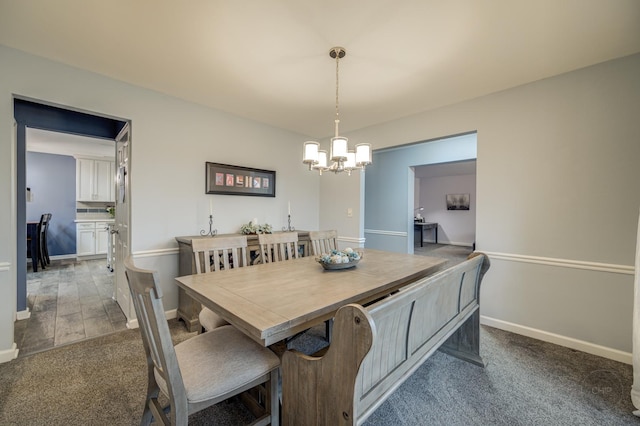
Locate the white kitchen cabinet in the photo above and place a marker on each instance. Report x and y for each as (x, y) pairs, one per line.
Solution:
(85, 239)
(95, 180)
(92, 238)
(102, 238)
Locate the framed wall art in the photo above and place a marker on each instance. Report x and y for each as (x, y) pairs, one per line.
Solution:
(237, 180)
(458, 201)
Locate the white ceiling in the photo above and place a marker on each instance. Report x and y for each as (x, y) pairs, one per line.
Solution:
(66, 144)
(268, 60)
(446, 169)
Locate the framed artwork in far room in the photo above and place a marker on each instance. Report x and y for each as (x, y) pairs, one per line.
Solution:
(458, 201)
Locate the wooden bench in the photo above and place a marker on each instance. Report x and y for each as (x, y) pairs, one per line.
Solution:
(375, 349)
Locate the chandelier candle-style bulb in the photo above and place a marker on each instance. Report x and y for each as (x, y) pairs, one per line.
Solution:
(350, 163)
(339, 149)
(310, 156)
(363, 154)
(321, 164)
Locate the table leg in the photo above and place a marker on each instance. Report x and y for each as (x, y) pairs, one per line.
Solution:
(421, 236)
(436, 228)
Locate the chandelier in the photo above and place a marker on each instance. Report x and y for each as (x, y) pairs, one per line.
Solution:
(343, 159)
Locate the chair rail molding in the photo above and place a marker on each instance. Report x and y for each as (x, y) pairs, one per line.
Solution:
(563, 263)
(383, 232)
(156, 252)
(359, 241)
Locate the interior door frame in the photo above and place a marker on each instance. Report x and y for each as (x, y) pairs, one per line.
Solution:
(36, 113)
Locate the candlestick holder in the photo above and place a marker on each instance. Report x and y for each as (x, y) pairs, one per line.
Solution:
(212, 232)
(288, 228)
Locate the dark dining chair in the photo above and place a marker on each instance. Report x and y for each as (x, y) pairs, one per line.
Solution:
(43, 232)
(37, 242)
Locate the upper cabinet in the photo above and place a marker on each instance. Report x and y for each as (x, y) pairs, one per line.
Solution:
(95, 180)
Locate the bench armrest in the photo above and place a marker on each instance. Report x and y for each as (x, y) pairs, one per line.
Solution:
(320, 390)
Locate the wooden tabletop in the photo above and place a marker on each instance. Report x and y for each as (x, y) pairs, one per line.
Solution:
(270, 302)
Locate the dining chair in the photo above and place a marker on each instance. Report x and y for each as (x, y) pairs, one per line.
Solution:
(323, 241)
(214, 254)
(40, 255)
(44, 231)
(201, 371)
(278, 247)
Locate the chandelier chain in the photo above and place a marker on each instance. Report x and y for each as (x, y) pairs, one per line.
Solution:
(337, 87)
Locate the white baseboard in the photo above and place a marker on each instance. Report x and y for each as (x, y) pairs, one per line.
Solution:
(9, 354)
(22, 315)
(568, 342)
(451, 243)
(63, 256)
(133, 323)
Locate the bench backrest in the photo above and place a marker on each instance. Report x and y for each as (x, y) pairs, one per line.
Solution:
(410, 326)
(375, 349)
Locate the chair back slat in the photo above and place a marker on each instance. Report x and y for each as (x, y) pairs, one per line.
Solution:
(323, 241)
(156, 338)
(214, 254)
(278, 247)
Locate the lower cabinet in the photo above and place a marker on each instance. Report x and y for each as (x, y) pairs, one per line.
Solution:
(91, 238)
(101, 238)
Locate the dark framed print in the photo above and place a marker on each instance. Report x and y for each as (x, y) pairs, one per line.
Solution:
(238, 180)
(458, 201)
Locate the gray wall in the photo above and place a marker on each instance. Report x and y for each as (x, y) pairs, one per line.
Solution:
(52, 179)
(557, 200)
(557, 180)
(389, 189)
(171, 140)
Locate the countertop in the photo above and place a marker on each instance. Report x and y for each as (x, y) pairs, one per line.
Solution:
(94, 220)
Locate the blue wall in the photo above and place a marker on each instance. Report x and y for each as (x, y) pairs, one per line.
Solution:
(389, 188)
(52, 179)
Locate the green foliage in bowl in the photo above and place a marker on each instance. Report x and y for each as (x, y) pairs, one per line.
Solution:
(251, 228)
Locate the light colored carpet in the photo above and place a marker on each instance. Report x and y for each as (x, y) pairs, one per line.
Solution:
(526, 382)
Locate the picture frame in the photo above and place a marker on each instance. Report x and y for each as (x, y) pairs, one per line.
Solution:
(458, 201)
(227, 179)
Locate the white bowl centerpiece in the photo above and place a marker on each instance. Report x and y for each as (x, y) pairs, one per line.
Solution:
(339, 259)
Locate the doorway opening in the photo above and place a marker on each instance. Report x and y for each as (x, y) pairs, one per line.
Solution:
(392, 193)
(435, 221)
(440, 231)
(34, 119)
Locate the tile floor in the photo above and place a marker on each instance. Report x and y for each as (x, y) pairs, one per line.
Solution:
(69, 301)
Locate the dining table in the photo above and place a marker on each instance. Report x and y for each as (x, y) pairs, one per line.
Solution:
(274, 301)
